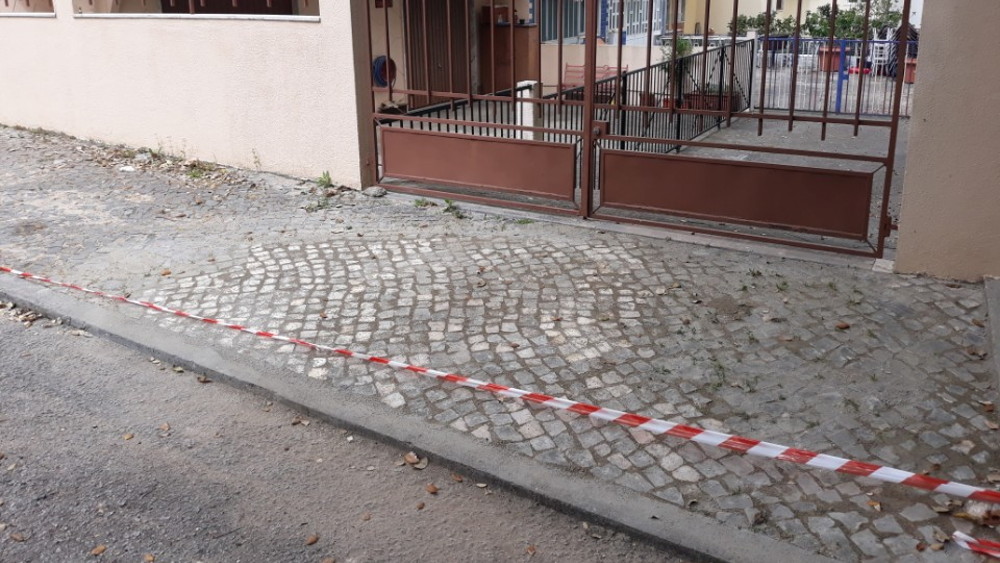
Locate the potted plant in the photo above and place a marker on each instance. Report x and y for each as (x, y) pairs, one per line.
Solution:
(674, 69)
(711, 98)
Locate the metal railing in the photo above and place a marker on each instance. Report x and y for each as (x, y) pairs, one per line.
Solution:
(860, 70)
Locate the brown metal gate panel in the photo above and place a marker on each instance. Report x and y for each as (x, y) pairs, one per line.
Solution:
(819, 201)
(522, 167)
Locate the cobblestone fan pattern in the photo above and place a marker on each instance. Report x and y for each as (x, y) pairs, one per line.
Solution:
(881, 368)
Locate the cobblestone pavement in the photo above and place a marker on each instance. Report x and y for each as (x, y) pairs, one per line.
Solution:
(727, 340)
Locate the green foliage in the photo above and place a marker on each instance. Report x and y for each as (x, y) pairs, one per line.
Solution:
(454, 210)
(758, 23)
(324, 180)
(850, 21)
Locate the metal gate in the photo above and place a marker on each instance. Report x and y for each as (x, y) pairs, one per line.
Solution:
(608, 109)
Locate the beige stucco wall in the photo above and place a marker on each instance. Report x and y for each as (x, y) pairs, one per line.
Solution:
(235, 91)
(950, 223)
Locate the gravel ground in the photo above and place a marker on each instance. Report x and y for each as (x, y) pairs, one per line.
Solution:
(102, 447)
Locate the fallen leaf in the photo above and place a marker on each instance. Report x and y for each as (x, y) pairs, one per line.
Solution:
(482, 485)
(322, 315)
(421, 464)
(411, 458)
(328, 560)
(988, 406)
(98, 550)
(203, 379)
(965, 447)
(993, 477)
(312, 539)
(420, 506)
(366, 516)
(149, 558)
(979, 322)
(18, 537)
(941, 536)
(456, 478)
(165, 273)
(431, 488)
(941, 509)
(128, 436)
(937, 546)
(178, 369)
(921, 546)
(786, 338)
(165, 427)
(515, 345)
(530, 550)
(992, 425)
(843, 326)
(876, 505)
(977, 353)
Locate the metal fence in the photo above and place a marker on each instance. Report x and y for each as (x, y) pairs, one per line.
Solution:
(840, 76)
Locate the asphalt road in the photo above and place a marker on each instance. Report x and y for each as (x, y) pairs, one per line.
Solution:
(101, 446)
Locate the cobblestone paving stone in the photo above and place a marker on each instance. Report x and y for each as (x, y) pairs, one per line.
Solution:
(721, 339)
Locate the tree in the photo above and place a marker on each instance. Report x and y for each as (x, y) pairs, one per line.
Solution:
(758, 24)
(850, 21)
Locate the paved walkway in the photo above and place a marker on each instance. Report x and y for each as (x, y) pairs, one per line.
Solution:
(721, 339)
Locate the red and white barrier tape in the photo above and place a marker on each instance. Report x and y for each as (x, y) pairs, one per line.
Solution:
(984, 547)
(652, 425)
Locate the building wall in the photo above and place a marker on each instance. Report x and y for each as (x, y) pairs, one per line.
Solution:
(236, 90)
(950, 223)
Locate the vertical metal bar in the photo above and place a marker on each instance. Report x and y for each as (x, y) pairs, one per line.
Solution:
(536, 15)
(388, 51)
(902, 41)
(493, 48)
(191, 6)
(646, 97)
(621, 47)
(796, 42)
(704, 45)
(841, 77)
(823, 57)
(763, 67)
(373, 154)
(588, 134)
(451, 62)
(468, 53)
(427, 56)
(732, 59)
(862, 65)
(675, 93)
(513, 61)
(559, 56)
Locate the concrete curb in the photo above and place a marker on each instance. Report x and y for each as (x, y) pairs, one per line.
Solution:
(693, 535)
(991, 286)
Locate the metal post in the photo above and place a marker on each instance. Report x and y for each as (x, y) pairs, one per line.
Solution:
(863, 66)
(763, 67)
(589, 135)
(826, 91)
(903, 41)
(796, 39)
(841, 74)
